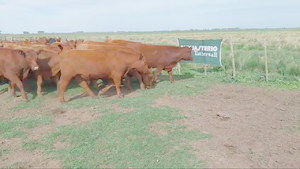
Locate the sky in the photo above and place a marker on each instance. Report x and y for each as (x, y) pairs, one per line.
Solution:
(63, 16)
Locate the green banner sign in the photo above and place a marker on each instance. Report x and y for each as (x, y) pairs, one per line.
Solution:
(204, 51)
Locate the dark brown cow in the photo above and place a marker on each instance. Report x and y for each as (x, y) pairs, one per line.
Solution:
(158, 56)
(96, 64)
(143, 80)
(13, 63)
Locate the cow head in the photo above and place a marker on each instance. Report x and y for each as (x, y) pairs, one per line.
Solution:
(186, 54)
(71, 43)
(147, 79)
(58, 39)
(31, 58)
(140, 65)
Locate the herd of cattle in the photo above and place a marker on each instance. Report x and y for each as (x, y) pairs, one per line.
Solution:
(86, 61)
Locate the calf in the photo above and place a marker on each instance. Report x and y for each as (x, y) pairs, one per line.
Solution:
(14, 63)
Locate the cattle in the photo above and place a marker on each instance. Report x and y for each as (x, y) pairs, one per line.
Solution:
(58, 39)
(45, 70)
(96, 43)
(42, 40)
(159, 56)
(13, 64)
(96, 64)
(64, 46)
(73, 44)
(143, 80)
(56, 49)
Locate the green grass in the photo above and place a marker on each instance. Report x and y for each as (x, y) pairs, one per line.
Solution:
(15, 127)
(123, 140)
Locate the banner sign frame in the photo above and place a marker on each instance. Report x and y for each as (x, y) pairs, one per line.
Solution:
(204, 51)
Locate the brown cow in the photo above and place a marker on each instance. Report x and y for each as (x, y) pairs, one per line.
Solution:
(44, 71)
(96, 43)
(143, 80)
(73, 44)
(63, 45)
(57, 48)
(13, 63)
(97, 64)
(158, 56)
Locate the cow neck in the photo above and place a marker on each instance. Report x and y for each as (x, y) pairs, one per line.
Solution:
(178, 53)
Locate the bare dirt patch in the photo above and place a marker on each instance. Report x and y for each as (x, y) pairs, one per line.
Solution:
(251, 127)
(62, 117)
(28, 159)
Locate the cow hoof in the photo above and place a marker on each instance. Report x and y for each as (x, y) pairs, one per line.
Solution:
(40, 95)
(25, 100)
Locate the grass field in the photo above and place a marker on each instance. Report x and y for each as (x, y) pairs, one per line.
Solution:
(152, 128)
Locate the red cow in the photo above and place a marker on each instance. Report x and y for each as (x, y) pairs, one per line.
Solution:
(96, 64)
(143, 80)
(158, 56)
(13, 63)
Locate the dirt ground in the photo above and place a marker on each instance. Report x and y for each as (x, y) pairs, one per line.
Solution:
(251, 127)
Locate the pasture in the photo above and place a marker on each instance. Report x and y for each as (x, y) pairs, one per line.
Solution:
(199, 121)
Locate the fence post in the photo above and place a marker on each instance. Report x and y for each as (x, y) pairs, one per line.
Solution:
(266, 61)
(205, 69)
(178, 64)
(232, 59)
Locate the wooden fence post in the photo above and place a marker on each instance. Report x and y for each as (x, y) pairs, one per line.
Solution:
(266, 62)
(178, 64)
(205, 69)
(232, 59)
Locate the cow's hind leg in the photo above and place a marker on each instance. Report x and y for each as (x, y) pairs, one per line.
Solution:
(157, 73)
(170, 75)
(12, 88)
(85, 86)
(64, 81)
(117, 82)
(105, 89)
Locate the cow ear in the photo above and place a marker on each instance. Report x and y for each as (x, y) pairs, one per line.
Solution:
(21, 52)
(61, 47)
